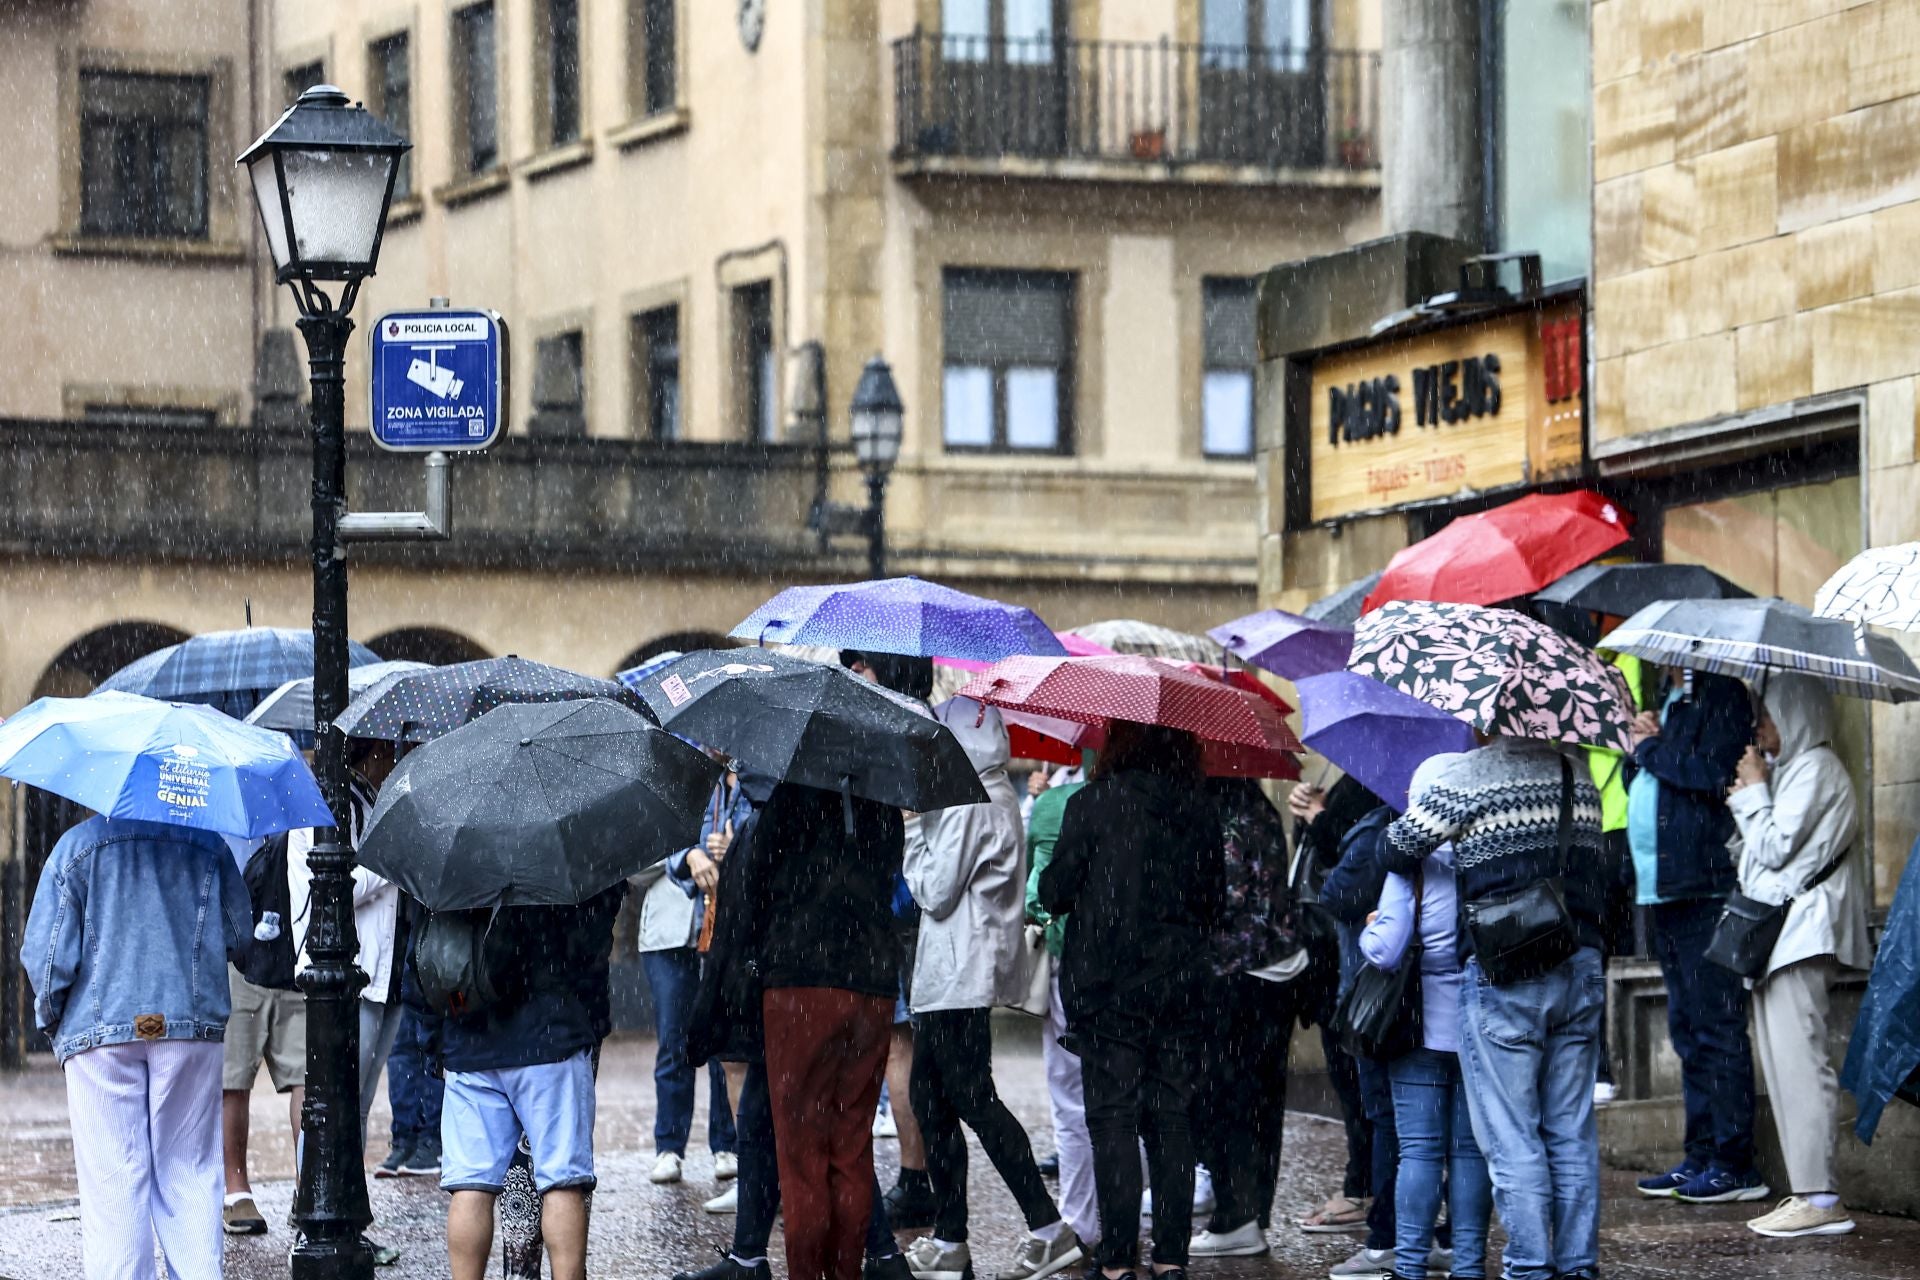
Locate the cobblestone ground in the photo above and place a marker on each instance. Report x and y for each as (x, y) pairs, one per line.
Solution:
(644, 1231)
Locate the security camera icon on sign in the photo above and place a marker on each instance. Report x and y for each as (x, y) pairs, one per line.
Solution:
(428, 373)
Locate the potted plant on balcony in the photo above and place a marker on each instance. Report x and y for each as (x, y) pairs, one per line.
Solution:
(1148, 144)
(1356, 145)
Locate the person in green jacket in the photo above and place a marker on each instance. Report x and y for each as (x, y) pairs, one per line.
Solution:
(1070, 1137)
(1609, 770)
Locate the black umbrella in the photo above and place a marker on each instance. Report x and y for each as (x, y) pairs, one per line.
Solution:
(816, 725)
(1625, 589)
(1342, 608)
(536, 805)
(422, 705)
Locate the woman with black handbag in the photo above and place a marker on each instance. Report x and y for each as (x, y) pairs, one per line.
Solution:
(1416, 929)
(1525, 826)
(1798, 822)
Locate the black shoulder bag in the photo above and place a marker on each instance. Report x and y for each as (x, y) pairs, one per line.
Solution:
(1381, 1014)
(1748, 928)
(1530, 931)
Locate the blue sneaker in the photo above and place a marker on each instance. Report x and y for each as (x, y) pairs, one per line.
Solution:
(1721, 1186)
(1661, 1186)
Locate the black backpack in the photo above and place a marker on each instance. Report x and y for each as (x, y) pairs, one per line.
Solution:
(462, 963)
(270, 963)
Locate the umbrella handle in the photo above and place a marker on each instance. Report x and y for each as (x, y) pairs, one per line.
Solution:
(846, 802)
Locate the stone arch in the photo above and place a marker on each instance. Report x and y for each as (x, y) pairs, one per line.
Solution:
(684, 641)
(437, 645)
(84, 663)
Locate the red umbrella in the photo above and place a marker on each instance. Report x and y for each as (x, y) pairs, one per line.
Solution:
(1123, 687)
(1056, 741)
(1509, 551)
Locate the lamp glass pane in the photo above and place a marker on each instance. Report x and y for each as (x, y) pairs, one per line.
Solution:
(876, 436)
(337, 199)
(266, 194)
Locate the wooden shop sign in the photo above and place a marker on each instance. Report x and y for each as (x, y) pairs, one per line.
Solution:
(1490, 404)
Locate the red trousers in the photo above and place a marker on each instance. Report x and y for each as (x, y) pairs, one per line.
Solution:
(826, 1054)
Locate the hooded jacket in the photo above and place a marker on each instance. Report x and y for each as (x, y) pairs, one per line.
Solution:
(1796, 824)
(968, 872)
(1139, 865)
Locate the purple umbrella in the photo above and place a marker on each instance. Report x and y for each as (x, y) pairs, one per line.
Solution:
(1286, 644)
(1377, 734)
(900, 615)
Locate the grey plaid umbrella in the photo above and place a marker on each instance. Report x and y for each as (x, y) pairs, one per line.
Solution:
(536, 804)
(1342, 608)
(1752, 639)
(1880, 585)
(230, 670)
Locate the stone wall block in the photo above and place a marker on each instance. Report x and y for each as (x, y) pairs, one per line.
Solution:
(1799, 74)
(1616, 39)
(1855, 163)
(1774, 361)
(1890, 419)
(1633, 123)
(1737, 198)
(1756, 279)
(1896, 247)
(1866, 340)
(1710, 102)
(1610, 399)
(1670, 214)
(1634, 312)
(1681, 382)
(1618, 227)
(1833, 262)
(1883, 52)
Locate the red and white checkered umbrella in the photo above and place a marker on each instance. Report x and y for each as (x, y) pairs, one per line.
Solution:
(1124, 687)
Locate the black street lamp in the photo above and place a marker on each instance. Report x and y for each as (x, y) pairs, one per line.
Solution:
(323, 177)
(878, 423)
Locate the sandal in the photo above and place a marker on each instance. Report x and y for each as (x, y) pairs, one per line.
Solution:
(1340, 1213)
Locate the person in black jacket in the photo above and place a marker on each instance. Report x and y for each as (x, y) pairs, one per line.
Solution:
(818, 905)
(1678, 830)
(523, 1065)
(1322, 819)
(1139, 873)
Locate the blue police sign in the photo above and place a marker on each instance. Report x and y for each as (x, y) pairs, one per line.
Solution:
(439, 380)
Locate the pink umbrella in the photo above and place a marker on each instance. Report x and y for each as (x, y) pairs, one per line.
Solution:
(1075, 646)
(1149, 690)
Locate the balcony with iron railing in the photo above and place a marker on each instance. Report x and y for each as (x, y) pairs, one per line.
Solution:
(1108, 110)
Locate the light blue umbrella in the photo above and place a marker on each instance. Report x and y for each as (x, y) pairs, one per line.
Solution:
(1377, 734)
(125, 756)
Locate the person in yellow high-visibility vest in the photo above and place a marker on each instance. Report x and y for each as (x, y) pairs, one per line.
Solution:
(1609, 770)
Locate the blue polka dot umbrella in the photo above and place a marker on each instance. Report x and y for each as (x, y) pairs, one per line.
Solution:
(900, 615)
(419, 706)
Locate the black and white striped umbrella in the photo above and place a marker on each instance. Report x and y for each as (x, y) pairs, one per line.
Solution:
(1753, 639)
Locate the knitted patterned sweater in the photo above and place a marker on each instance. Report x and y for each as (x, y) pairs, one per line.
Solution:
(1500, 806)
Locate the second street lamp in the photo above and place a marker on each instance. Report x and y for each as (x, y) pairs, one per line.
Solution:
(878, 422)
(323, 178)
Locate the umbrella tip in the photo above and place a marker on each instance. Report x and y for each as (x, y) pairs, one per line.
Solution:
(526, 742)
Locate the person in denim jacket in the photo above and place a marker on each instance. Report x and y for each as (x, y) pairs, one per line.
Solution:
(127, 946)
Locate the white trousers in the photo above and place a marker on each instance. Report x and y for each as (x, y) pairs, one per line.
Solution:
(1078, 1203)
(1790, 1037)
(146, 1148)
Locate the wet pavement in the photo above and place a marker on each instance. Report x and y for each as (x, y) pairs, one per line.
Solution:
(640, 1230)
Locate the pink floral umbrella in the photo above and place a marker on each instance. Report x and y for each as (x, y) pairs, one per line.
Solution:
(1501, 672)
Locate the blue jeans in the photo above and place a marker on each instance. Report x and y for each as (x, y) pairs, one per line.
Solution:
(1436, 1146)
(413, 1090)
(1529, 1053)
(675, 977)
(1707, 1021)
(1376, 1094)
(760, 1178)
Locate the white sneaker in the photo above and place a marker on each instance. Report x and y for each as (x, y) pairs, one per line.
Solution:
(883, 1125)
(1039, 1258)
(1203, 1201)
(1367, 1264)
(666, 1168)
(1603, 1093)
(1244, 1241)
(727, 1201)
(726, 1166)
(929, 1259)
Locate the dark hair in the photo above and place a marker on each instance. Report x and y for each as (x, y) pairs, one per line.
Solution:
(900, 672)
(1149, 748)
